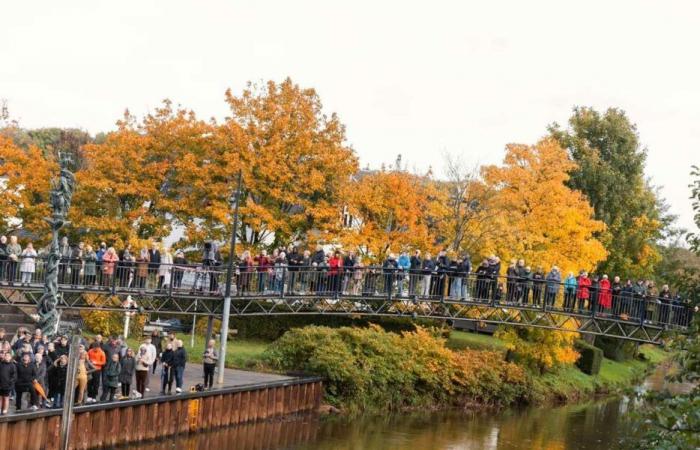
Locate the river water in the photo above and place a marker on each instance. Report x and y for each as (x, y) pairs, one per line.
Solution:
(598, 424)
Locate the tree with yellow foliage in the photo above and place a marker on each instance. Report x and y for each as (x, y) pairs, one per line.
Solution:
(541, 219)
(392, 210)
(539, 348)
(138, 183)
(295, 161)
(24, 200)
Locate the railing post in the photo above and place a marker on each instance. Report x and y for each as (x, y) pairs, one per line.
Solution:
(69, 393)
(172, 279)
(284, 280)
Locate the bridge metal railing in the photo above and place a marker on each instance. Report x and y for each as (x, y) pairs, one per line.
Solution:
(280, 282)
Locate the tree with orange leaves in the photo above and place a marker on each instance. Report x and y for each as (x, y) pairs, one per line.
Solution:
(392, 210)
(24, 185)
(137, 183)
(542, 220)
(296, 164)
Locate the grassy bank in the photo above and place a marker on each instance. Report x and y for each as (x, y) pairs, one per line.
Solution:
(241, 354)
(569, 383)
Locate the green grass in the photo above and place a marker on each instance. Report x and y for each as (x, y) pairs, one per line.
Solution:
(459, 340)
(569, 383)
(241, 354)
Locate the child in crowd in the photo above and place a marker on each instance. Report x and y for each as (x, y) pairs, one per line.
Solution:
(112, 372)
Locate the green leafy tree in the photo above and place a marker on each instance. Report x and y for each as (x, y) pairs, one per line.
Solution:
(610, 172)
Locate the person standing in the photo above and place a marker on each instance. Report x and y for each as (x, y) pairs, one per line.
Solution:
(41, 372)
(538, 280)
(143, 365)
(14, 251)
(90, 268)
(511, 281)
(167, 372)
(416, 265)
(85, 368)
(112, 371)
(143, 267)
(604, 295)
(109, 262)
(76, 264)
(3, 257)
(98, 359)
(428, 267)
(570, 286)
(28, 265)
(583, 292)
(152, 357)
(57, 380)
(126, 372)
(157, 343)
(65, 251)
(8, 379)
(209, 359)
(165, 272)
(179, 362)
(26, 375)
(154, 260)
(178, 269)
(552, 289)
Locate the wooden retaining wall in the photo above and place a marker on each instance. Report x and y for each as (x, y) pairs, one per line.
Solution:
(119, 423)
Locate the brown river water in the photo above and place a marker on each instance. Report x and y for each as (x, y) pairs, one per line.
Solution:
(599, 424)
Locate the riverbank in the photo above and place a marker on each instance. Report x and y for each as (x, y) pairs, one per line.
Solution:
(562, 385)
(569, 383)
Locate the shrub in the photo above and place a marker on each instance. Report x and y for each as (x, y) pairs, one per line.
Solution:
(591, 358)
(538, 348)
(616, 349)
(269, 328)
(370, 368)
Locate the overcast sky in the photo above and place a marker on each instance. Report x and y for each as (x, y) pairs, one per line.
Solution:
(416, 78)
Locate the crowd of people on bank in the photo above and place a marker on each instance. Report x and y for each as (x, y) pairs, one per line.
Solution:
(295, 271)
(33, 369)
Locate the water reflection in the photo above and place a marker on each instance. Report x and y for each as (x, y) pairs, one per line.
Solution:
(591, 426)
(596, 425)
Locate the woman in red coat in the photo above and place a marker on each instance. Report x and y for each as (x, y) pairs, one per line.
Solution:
(336, 266)
(583, 294)
(605, 294)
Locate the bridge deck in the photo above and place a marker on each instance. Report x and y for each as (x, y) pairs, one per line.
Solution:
(194, 290)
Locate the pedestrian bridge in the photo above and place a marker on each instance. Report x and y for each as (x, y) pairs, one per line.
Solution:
(197, 290)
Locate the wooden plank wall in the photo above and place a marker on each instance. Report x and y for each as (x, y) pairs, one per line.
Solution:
(150, 419)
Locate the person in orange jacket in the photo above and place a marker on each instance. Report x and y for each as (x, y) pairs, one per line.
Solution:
(98, 359)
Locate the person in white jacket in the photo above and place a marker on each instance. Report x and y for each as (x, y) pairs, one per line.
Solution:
(144, 360)
(165, 269)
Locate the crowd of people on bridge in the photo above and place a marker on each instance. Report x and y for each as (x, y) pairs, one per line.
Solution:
(33, 369)
(294, 271)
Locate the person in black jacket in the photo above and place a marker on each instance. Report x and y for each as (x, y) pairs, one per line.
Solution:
(442, 266)
(511, 283)
(494, 273)
(57, 380)
(8, 378)
(415, 272)
(390, 267)
(427, 268)
(26, 375)
(167, 370)
(179, 362)
(3, 257)
(126, 374)
(537, 285)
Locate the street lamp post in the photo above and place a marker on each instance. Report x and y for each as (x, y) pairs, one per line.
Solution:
(229, 280)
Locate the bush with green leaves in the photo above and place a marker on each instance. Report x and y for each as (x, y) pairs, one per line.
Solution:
(370, 368)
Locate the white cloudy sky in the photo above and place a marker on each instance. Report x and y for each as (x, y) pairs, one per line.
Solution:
(416, 78)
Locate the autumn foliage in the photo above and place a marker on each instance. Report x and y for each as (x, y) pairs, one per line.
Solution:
(171, 169)
(366, 368)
